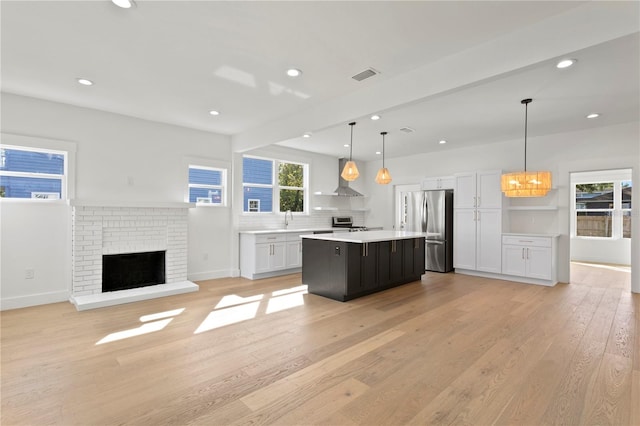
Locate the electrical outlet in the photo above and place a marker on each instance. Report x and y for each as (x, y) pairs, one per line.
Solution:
(29, 273)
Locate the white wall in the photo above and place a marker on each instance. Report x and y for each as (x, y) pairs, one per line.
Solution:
(611, 147)
(118, 158)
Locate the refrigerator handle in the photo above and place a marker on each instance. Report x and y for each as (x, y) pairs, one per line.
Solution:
(425, 212)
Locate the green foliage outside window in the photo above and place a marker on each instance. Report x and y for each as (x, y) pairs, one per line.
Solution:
(291, 181)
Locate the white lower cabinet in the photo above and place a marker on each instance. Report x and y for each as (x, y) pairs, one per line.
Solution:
(477, 239)
(265, 255)
(294, 252)
(532, 257)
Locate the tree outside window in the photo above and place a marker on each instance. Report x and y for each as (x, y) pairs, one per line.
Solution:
(291, 181)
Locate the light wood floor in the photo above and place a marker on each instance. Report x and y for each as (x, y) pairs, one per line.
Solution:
(449, 349)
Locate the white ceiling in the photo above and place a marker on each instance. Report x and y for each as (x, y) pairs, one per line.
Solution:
(452, 70)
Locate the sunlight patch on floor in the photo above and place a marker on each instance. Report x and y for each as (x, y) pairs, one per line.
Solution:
(149, 327)
(619, 268)
(228, 316)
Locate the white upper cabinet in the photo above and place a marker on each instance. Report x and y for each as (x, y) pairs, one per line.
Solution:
(442, 182)
(478, 190)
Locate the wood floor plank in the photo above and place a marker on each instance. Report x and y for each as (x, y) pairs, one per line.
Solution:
(451, 349)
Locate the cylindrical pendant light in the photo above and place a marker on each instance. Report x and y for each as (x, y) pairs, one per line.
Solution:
(526, 184)
(350, 171)
(383, 177)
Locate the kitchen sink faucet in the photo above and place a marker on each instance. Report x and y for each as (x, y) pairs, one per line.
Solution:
(286, 222)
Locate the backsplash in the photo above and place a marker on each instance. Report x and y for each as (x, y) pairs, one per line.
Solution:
(316, 219)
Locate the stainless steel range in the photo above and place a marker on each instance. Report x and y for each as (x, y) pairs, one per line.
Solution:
(345, 223)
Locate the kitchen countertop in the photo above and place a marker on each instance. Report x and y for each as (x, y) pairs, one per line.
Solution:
(284, 231)
(366, 236)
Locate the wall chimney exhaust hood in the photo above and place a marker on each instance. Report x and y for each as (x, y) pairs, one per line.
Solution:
(343, 189)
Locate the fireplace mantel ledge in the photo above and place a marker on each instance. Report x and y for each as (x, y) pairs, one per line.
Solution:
(133, 204)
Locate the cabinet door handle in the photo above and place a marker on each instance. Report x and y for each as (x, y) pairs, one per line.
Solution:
(474, 202)
(478, 201)
(523, 253)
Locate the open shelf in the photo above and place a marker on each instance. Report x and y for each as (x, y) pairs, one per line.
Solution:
(326, 208)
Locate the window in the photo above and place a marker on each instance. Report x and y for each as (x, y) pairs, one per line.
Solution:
(207, 185)
(32, 173)
(266, 192)
(603, 209)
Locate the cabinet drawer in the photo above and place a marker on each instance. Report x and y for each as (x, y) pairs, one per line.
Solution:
(270, 238)
(526, 241)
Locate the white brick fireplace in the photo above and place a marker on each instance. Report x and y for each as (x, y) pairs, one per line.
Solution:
(100, 229)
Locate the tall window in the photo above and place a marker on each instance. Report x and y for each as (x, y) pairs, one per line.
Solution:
(603, 209)
(32, 173)
(273, 185)
(207, 185)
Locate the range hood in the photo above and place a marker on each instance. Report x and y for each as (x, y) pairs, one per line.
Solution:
(343, 189)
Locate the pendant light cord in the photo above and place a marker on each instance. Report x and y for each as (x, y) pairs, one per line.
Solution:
(383, 133)
(526, 103)
(351, 143)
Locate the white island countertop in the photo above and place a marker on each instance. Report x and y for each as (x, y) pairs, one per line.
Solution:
(366, 236)
(284, 231)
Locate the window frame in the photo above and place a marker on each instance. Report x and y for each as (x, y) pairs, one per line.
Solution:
(222, 187)
(616, 212)
(49, 146)
(275, 186)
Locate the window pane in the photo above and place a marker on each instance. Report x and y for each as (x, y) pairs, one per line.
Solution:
(26, 187)
(626, 224)
(255, 170)
(291, 199)
(15, 160)
(594, 195)
(626, 194)
(205, 195)
(291, 175)
(204, 176)
(264, 195)
(593, 224)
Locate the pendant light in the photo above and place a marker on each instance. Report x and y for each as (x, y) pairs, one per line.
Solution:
(526, 184)
(383, 177)
(350, 171)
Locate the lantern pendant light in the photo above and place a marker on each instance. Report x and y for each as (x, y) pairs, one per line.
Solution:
(383, 177)
(526, 184)
(350, 171)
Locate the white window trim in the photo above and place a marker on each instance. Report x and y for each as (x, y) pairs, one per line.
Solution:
(616, 212)
(30, 143)
(276, 187)
(222, 187)
(208, 164)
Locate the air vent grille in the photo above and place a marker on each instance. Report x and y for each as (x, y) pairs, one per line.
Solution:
(407, 130)
(370, 72)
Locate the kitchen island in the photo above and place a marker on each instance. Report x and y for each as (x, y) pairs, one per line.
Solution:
(343, 266)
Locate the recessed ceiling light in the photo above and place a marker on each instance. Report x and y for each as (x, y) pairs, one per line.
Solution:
(84, 81)
(214, 112)
(346, 145)
(378, 153)
(294, 72)
(593, 115)
(125, 4)
(306, 135)
(442, 142)
(565, 63)
(375, 117)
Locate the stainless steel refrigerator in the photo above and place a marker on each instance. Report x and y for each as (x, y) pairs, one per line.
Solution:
(431, 212)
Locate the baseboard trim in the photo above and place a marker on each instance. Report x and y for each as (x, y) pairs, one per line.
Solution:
(210, 275)
(512, 278)
(33, 300)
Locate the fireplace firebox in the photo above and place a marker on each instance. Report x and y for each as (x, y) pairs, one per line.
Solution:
(132, 270)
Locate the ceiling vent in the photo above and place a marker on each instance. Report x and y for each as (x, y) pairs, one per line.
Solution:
(369, 72)
(407, 130)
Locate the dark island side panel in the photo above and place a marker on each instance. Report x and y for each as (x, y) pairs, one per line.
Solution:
(344, 271)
